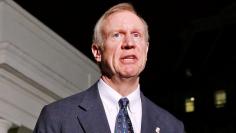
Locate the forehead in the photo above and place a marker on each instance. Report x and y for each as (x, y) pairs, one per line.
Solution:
(124, 20)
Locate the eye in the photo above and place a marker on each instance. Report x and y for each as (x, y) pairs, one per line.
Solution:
(117, 36)
(136, 35)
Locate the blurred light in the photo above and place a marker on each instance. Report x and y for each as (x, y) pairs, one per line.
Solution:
(220, 98)
(188, 73)
(192, 98)
(189, 104)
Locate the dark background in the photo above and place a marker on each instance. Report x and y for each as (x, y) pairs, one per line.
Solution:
(191, 54)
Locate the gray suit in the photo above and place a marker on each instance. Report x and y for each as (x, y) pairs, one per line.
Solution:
(84, 113)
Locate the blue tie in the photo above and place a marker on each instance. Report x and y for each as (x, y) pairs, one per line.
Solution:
(123, 123)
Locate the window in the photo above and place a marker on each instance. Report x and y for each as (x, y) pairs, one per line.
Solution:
(220, 98)
(189, 104)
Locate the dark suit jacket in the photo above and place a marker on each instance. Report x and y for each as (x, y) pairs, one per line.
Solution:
(84, 113)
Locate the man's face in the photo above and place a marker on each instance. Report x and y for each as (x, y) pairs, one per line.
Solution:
(125, 47)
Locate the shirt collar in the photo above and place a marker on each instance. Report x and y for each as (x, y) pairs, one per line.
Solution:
(110, 95)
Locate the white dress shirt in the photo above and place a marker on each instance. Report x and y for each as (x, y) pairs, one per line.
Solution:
(110, 99)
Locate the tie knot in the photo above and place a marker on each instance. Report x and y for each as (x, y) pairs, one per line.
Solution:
(123, 102)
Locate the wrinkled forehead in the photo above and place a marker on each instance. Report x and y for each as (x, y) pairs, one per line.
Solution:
(123, 20)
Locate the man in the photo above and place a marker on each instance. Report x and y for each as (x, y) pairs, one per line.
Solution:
(114, 103)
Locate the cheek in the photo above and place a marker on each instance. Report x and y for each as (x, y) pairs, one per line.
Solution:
(111, 54)
(143, 57)
(116, 56)
(143, 52)
(114, 52)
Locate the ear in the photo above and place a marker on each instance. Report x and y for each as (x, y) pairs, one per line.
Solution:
(96, 50)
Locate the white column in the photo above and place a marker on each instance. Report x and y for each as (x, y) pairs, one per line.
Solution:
(4, 125)
(28, 71)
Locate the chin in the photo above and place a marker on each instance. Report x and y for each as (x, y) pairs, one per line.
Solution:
(129, 75)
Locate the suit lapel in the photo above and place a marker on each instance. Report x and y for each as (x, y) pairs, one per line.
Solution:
(91, 114)
(92, 117)
(149, 119)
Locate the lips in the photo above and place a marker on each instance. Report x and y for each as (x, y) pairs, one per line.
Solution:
(129, 59)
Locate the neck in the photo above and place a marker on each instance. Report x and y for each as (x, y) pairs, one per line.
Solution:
(123, 86)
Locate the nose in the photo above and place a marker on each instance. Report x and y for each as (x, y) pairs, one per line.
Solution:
(128, 43)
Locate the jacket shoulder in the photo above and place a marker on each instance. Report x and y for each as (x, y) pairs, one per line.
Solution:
(70, 102)
(61, 114)
(164, 117)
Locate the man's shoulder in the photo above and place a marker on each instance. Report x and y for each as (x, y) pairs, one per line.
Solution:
(71, 102)
(160, 113)
(156, 108)
(166, 120)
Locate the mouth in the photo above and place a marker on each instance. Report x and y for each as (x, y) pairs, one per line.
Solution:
(129, 59)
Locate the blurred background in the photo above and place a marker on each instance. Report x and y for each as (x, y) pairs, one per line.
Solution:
(192, 59)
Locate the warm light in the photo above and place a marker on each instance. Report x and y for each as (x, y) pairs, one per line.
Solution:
(192, 99)
(220, 98)
(189, 104)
